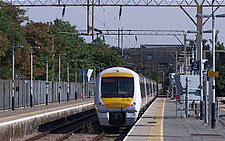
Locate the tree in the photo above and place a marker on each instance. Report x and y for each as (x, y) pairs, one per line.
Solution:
(54, 38)
(220, 83)
(11, 34)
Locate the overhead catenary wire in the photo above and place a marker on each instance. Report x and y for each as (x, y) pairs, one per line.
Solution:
(106, 27)
(99, 21)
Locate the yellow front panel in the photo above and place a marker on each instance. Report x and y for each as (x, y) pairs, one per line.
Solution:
(117, 103)
(117, 74)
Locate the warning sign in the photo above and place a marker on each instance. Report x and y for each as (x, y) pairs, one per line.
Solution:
(213, 74)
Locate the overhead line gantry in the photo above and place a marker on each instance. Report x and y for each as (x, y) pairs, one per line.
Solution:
(162, 3)
(199, 4)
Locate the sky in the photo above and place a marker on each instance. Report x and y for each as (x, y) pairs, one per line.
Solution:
(139, 18)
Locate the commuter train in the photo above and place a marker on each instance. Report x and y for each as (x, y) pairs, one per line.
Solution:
(120, 96)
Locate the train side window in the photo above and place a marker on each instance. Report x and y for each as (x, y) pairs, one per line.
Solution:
(147, 84)
(142, 90)
(150, 85)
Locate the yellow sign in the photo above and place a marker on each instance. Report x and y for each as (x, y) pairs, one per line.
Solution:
(213, 74)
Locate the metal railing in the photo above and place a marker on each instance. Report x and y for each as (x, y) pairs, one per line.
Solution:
(22, 92)
(192, 110)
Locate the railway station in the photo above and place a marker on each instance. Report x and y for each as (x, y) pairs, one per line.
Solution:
(112, 70)
(160, 122)
(23, 122)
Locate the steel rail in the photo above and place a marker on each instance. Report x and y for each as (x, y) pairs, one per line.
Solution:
(99, 136)
(67, 124)
(222, 120)
(64, 137)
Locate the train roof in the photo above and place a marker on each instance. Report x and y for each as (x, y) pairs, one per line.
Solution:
(122, 69)
(119, 69)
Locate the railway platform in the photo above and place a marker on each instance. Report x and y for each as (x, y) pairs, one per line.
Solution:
(159, 123)
(24, 121)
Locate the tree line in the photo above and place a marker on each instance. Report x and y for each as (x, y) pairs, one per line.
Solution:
(17, 30)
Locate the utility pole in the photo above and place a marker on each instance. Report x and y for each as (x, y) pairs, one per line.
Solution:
(68, 82)
(47, 83)
(199, 33)
(13, 81)
(53, 66)
(201, 79)
(59, 83)
(186, 98)
(193, 57)
(213, 125)
(185, 55)
(31, 82)
(212, 81)
(59, 86)
(88, 16)
(205, 92)
(31, 75)
(176, 60)
(83, 84)
(13, 76)
(122, 42)
(199, 56)
(93, 26)
(118, 38)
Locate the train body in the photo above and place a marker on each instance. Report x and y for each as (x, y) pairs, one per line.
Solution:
(120, 95)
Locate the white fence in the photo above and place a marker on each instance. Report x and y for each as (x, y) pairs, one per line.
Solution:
(22, 92)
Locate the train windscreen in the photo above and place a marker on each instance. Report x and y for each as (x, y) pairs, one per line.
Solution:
(117, 87)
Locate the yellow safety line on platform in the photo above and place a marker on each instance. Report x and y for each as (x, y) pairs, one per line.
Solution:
(41, 111)
(156, 131)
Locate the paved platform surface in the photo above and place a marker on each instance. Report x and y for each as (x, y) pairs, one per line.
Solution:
(159, 123)
(19, 113)
(24, 121)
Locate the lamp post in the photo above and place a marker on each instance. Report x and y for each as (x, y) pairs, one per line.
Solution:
(83, 83)
(31, 75)
(213, 116)
(68, 80)
(59, 85)
(47, 83)
(13, 76)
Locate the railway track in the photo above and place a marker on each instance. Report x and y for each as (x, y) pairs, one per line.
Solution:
(68, 128)
(221, 119)
(98, 137)
(84, 126)
(116, 133)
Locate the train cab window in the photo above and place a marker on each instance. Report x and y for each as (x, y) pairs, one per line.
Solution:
(109, 87)
(117, 87)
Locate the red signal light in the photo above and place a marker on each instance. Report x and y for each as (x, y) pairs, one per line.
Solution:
(106, 105)
(128, 105)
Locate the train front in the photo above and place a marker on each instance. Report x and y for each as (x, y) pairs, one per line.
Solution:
(115, 101)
